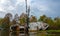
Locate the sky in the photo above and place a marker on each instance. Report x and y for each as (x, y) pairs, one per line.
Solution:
(50, 8)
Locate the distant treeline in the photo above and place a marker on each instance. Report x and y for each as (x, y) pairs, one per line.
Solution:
(54, 24)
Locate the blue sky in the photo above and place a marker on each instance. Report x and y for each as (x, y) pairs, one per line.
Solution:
(51, 8)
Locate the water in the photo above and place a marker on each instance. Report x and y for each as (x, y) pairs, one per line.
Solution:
(7, 33)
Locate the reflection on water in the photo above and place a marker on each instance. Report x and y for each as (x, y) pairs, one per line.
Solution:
(22, 34)
(4, 33)
(7, 33)
(13, 34)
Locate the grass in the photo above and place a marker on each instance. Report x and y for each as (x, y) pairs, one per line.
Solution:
(53, 30)
(50, 30)
(49, 33)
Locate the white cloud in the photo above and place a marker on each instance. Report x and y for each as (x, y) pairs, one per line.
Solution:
(20, 1)
(43, 8)
(11, 8)
(6, 7)
(23, 2)
(39, 6)
(3, 1)
(1, 9)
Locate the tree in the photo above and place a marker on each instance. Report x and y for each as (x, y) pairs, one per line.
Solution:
(23, 18)
(6, 21)
(1, 21)
(8, 15)
(5, 25)
(47, 20)
(33, 19)
(13, 21)
(42, 18)
(16, 18)
(57, 22)
(22, 21)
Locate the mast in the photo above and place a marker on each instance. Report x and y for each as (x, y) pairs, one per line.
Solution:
(26, 5)
(27, 11)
